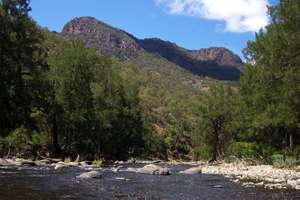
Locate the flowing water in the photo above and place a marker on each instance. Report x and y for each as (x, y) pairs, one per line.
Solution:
(44, 183)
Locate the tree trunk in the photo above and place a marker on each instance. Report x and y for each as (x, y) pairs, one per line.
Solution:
(291, 139)
(216, 143)
(55, 136)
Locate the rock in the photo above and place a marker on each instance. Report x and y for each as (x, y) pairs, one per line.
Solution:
(45, 161)
(297, 184)
(73, 164)
(119, 162)
(193, 170)
(218, 186)
(292, 183)
(116, 169)
(260, 184)
(153, 169)
(84, 164)
(59, 166)
(4, 162)
(91, 174)
(150, 169)
(122, 179)
(20, 161)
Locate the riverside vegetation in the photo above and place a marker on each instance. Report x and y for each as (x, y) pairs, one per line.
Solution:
(60, 98)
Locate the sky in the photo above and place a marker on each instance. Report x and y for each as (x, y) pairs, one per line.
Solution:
(192, 24)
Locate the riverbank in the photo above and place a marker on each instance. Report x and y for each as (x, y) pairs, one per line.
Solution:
(265, 176)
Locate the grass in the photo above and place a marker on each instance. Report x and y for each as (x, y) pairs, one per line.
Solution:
(97, 163)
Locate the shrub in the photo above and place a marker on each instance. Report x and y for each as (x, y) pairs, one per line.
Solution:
(277, 159)
(201, 153)
(18, 139)
(280, 159)
(97, 163)
(39, 139)
(231, 159)
(243, 150)
(67, 160)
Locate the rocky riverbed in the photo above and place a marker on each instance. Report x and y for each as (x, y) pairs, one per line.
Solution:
(53, 179)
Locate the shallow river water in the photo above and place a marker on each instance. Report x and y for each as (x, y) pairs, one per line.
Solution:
(44, 183)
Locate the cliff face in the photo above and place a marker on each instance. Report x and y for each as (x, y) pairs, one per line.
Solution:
(215, 62)
(220, 55)
(106, 39)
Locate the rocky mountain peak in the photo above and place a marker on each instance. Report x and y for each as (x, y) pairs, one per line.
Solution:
(220, 55)
(216, 62)
(106, 39)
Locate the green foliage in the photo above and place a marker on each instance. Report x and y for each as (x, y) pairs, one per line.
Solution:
(244, 150)
(280, 160)
(58, 95)
(39, 139)
(270, 84)
(22, 65)
(217, 111)
(202, 152)
(18, 140)
(97, 163)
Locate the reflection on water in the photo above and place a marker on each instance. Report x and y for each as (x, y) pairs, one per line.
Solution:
(47, 184)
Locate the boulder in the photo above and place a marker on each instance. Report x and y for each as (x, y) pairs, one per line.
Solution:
(193, 170)
(292, 183)
(91, 174)
(73, 164)
(297, 184)
(153, 169)
(27, 162)
(4, 162)
(84, 164)
(59, 166)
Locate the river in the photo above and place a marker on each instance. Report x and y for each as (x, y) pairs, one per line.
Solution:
(45, 183)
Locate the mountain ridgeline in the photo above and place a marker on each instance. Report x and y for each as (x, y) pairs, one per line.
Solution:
(214, 62)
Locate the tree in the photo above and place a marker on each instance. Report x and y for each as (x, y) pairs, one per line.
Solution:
(270, 85)
(22, 64)
(217, 111)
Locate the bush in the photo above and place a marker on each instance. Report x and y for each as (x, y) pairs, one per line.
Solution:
(67, 160)
(280, 159)
(18, 140)
(277, 158)
(39, 139)
(97, 163)
(244, 150)
(202, 153)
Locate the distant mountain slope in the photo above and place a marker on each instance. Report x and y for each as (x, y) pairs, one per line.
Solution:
(217, 63)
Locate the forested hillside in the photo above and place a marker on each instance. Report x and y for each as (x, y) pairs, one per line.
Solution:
(63, 96)
(218, 63)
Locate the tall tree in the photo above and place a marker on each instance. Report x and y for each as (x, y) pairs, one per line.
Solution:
(22, 63)
(270, 85)
(217, 111)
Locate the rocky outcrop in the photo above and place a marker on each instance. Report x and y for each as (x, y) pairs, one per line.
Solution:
(221, 56)
(106, 39)
(91, 174)
(151, 169)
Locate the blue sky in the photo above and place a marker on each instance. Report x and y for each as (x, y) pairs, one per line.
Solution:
(172, 20)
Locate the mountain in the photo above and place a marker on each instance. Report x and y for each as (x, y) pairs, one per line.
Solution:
(106, 39)
(218, 63)
(215, 62)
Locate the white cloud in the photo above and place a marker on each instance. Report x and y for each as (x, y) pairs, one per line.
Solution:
(239, 15)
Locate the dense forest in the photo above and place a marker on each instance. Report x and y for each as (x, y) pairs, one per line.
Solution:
(60, 98)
